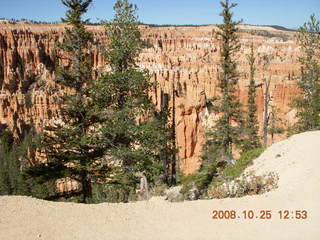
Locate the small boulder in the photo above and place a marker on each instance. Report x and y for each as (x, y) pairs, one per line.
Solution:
(193, 193)
(173, 194)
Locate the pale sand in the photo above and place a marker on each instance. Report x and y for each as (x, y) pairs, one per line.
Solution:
(299, 171)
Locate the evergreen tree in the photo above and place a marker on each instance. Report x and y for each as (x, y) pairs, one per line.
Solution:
(308, 101)
(252, 139)
(8, 168)
(1, 70)
(168, 150)
(226, 132)
(134, 135)
(13, 162)
(266, 60)
(275, 121)
(73, 147)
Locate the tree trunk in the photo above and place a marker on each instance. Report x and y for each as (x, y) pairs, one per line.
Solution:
(86, 186)
(174, 157)
(266, 112)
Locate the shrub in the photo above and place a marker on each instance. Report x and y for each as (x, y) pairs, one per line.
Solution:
(13, 161)
(158, 190)
(199, 180)
(234, 171)
(114, 193)
(213, 176)
(1, 71)
(28, 100)
(13, 85)
(248, 184)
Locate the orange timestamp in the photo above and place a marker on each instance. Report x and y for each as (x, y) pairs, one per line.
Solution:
(260, 214)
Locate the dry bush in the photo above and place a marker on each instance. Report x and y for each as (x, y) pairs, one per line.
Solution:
(158, 190)
(247, 184)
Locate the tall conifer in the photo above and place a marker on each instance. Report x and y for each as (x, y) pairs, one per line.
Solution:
(252, 139)
(308, 102)
(73, 147)
(226, 132)
(134, 138)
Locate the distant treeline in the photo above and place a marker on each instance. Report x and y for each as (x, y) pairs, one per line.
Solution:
(282, 28)
(265, 33)
(13, 21)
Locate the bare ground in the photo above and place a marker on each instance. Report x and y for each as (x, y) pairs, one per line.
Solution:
(296, 161)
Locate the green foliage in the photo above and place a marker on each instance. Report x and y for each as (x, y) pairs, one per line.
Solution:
(75, 43)
(204, 177)
(215, 174)
(21, 67)
(13, 84)
(275, 123)
(74, 148)
(198, 179)
(27, 81)
(251, 127)
(49, 59)
(227, 130)
(1, 70)
(28, 99)
(166, 141)
(35, 189)
(112, 193)
(134, 132)
(13, 163)
(307, 102)
(18, 75)
(125, 37)
(201, 180)
(6, 139)
(230, 173)
(11, 180)
(234, 171)
(9, 172)
(282, 28)
(110, 129)
(265, 33)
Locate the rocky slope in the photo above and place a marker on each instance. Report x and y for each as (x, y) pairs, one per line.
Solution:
(184, 58)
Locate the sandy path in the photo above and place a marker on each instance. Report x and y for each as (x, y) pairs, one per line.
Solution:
(298, 168)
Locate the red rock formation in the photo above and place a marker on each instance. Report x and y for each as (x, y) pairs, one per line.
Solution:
(184, 57)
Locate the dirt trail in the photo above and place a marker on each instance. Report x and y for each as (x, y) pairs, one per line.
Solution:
(296, 160)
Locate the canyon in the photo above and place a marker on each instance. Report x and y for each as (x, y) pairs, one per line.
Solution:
(183, 60)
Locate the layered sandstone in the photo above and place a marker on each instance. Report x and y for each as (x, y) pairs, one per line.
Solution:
(183, 58)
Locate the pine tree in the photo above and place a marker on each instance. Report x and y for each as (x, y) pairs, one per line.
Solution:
(134, 137)
(275, 123)
(73, 147)
(8, 170)
(226, 132)
(1, 70)
(13, 161)
(168, 150)
(266, 60)
(308, 101)
(252, 140)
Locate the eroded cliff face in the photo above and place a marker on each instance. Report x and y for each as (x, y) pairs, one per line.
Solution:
(184, 60)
